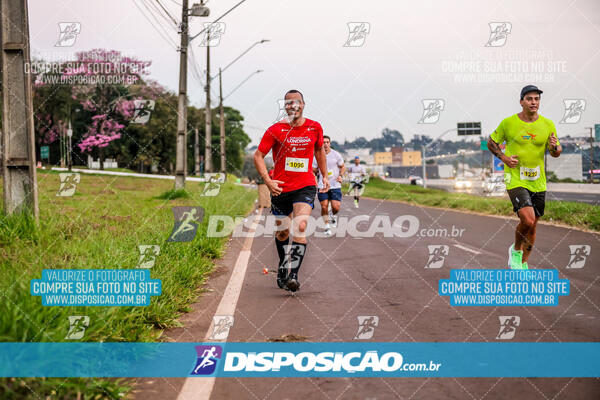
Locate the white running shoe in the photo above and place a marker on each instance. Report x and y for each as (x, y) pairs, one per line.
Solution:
(328, 232)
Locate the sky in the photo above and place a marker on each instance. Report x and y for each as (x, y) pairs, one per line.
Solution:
(411, 52)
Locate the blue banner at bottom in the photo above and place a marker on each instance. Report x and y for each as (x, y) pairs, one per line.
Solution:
(337, 359)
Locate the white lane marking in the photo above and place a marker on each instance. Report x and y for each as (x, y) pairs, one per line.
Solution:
(201, 388)
(467, 249)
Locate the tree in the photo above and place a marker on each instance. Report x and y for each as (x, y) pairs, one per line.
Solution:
(392, 137)
(105, 77)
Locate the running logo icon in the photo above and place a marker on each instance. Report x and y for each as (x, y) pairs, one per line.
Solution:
(77, 326)
(437, 255)
(186, 223)
(148, 255)
(432, 108)
(282, 115)
(221, 326)
(366, 326)
(213, 31)
(295, 253)
(508, 327)
(143, 109)
(68, 33)
(357, 34)
(499, 32)
(212, 187)
(68, 183)
(207, 359)
(573, 110)
(579, 254)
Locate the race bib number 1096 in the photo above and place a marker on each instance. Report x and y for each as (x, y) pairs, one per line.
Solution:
(296, 164)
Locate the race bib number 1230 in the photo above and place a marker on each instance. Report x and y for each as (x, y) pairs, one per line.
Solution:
(530, 174)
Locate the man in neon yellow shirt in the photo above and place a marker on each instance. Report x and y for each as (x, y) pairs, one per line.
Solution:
(527, 135)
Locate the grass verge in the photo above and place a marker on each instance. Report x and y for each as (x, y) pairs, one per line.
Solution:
(101, 226)
(580, 215)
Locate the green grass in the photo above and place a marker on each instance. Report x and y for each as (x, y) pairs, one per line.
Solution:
(101, 226)
(173, 194)
(569, 213)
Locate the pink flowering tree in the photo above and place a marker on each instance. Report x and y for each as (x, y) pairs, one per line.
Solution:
(102, 86)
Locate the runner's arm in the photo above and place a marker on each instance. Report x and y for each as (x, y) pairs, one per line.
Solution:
(342, 169)
(495, 149)
(322, 162)
(261, 167)
(554, 146)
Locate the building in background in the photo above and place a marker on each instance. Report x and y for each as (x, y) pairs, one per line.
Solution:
(565, 166)
(383, 158)
(397, 155)
(411, 158)
(446, 170)
(364, 155)
(406, 171)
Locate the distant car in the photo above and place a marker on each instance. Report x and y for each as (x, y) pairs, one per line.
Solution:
(494, 184)
(460, 182)
(415, 180)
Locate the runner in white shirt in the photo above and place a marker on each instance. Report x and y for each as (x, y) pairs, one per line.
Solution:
(358, 175)
(335, 170)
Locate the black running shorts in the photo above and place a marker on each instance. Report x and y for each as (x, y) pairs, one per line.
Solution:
(522, 197)
(283, 204)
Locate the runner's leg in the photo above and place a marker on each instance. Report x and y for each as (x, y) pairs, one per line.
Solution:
(282, 238)
(529, 240)
(335, 206)
(325, 210)
(526, 225)
(298, 248)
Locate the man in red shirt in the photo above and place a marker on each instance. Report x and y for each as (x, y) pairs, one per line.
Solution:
(294, 141)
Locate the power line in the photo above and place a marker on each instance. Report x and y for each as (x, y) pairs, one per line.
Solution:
(165, 10)
(157, 11)
(217, 20)
(161, 34)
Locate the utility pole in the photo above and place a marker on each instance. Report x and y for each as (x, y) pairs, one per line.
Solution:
(69, 147)
(423, 151)
(18, 143)
(221, 122)
(207, 126)
(591, 155)
(62, 146)
(196, 152)
(181, 155)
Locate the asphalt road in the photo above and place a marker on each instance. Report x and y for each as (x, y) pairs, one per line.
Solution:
(345, 277)
(589, 198)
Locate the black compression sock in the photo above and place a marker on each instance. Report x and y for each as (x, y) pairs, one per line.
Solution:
(297, 255)
(280, 244)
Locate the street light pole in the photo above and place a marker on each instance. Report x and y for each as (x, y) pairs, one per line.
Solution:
(424, 150)
(591, 154)
(69, 145)
(181, 155)
(198, 10)
(221, 122)
(241, 55)
(207, 115)
(258, 71)
(196, 152)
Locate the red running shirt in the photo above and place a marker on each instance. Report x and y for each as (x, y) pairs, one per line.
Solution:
(293, 152)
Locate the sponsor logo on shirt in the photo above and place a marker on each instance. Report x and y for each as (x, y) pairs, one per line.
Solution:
(529, 136)
(298, 140)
